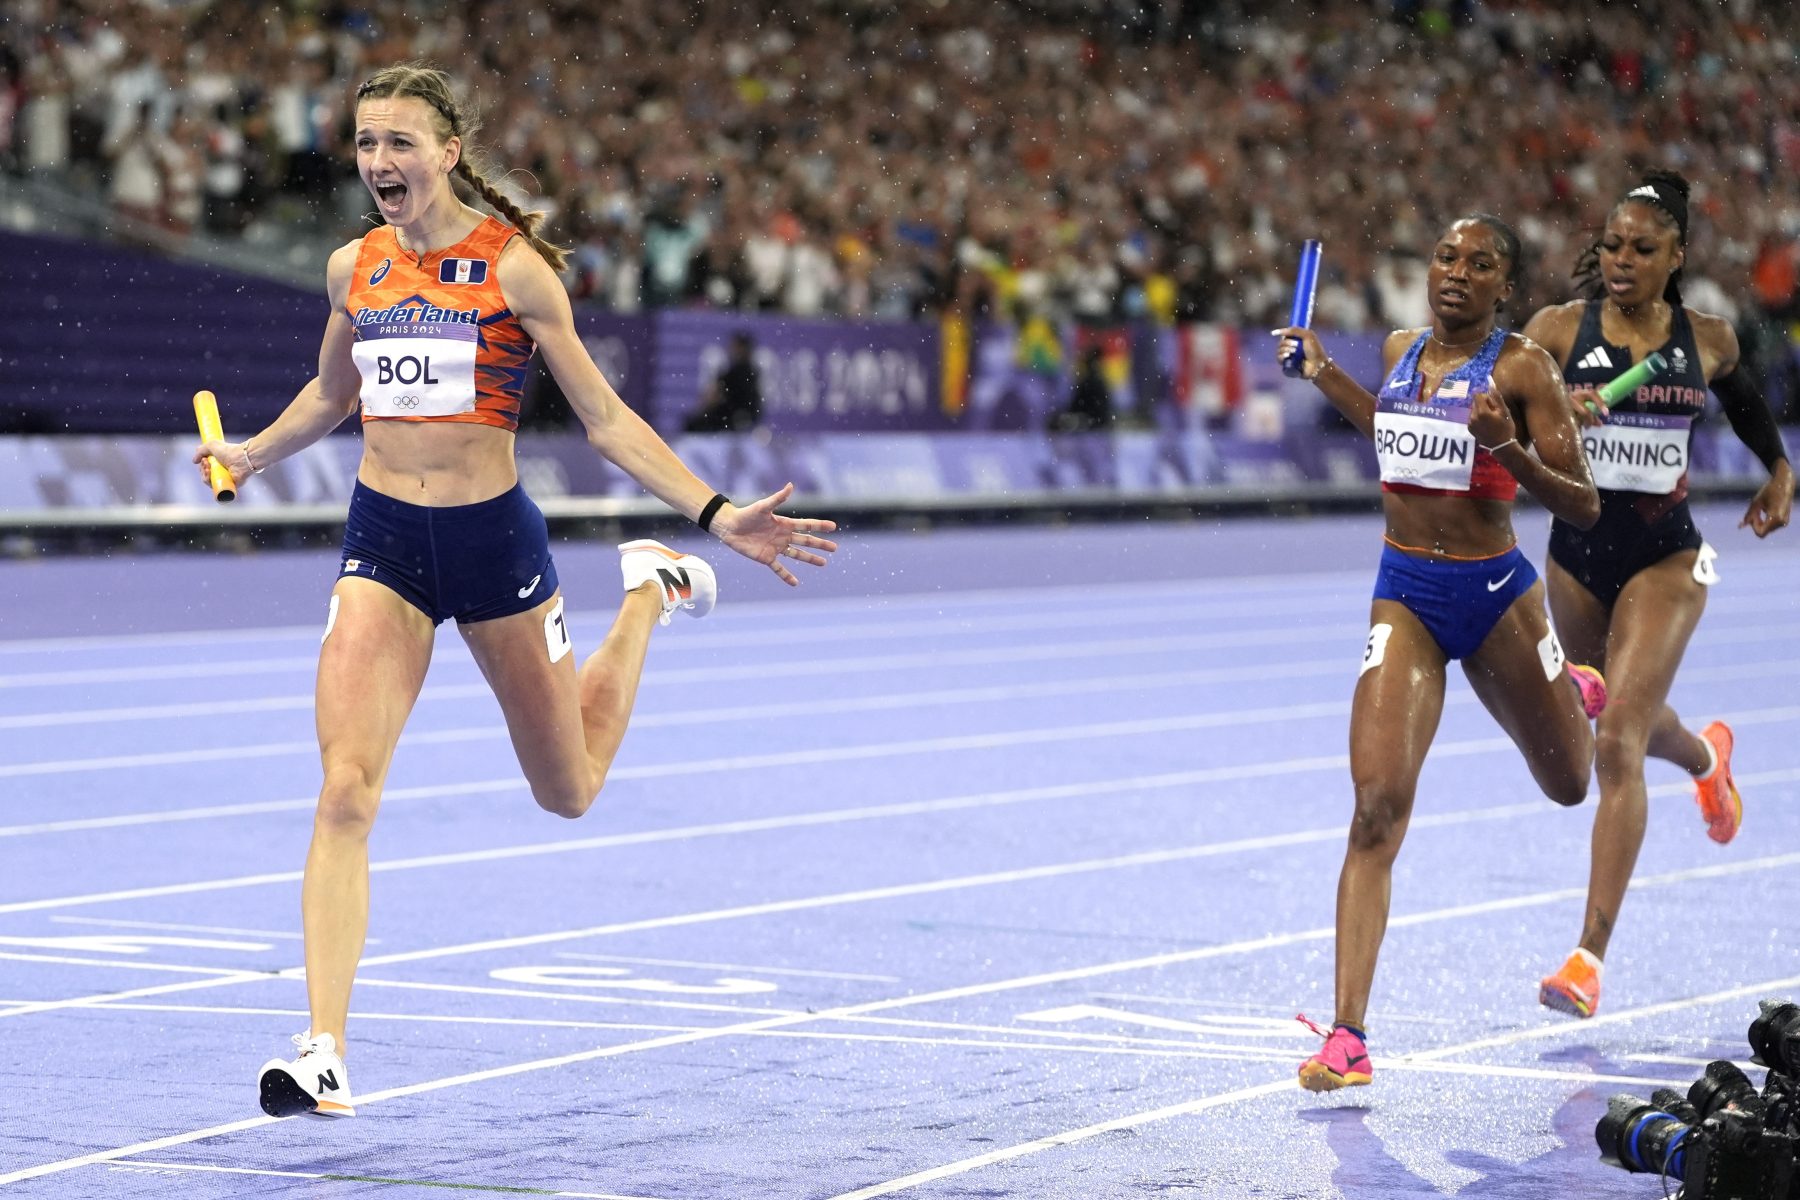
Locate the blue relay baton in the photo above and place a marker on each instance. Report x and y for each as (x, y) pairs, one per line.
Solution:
(1306, 286)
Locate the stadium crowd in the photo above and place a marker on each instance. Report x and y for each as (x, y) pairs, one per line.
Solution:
(1088, 160)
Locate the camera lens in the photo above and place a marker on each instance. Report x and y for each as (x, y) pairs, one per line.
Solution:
(1775, 1037)
(1639, 1136)
(1724, 1086)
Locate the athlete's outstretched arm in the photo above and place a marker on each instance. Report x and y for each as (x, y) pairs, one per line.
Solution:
(756, 531)
(322, 404)
(1557, 474)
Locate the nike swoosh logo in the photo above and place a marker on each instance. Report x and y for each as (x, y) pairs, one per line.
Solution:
(532, 587)
(1351, 1062)
(1492, 587)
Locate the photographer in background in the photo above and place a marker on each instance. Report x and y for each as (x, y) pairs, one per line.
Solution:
(734, 398)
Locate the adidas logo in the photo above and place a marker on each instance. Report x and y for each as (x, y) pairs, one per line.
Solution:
(1597, 357)
(1646, 191)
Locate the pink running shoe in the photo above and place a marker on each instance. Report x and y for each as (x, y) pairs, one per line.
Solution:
(1592, 687)
(1343, 1061)
(1716, 794)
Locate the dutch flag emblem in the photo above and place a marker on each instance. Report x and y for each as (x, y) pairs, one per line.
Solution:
(463, 270)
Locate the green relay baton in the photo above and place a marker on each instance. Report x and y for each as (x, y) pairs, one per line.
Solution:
(1647, 368)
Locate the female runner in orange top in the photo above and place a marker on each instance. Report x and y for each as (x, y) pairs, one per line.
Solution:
(433, 319)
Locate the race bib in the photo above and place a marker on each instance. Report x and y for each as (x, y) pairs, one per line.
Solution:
(412, 369)
(1638, 452)
(1426, 446)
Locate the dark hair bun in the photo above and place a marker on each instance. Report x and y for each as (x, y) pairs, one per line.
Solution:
(1674, 181)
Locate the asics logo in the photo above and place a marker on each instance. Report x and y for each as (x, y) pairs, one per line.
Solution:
(1501, 582)
(530, 587)
(328, 1082)
(676, 582)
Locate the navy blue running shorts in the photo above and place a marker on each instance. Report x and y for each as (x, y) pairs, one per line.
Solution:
(1458, 602)
(474, 562)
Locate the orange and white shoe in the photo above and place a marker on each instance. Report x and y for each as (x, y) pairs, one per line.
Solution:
(1714, 791)
(684, 580)
(316, 1083)
(1575, 987)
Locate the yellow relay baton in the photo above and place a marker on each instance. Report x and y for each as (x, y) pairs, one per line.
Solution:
(206, 412)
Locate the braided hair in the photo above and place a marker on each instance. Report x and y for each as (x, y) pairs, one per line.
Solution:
(1665, 193)
(432, 86)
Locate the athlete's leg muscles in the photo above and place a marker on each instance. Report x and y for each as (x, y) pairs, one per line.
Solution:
(1654, 618)
(1518, 673)
(371, 666)
(566, 725)
(1394, 716)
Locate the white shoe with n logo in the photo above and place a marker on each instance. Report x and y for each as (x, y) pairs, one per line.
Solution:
(316, 1083)
(683, 580)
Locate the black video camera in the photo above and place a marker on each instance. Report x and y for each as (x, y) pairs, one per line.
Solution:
(1724, 1140)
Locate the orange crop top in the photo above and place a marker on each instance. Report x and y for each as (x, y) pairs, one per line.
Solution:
(434, 338)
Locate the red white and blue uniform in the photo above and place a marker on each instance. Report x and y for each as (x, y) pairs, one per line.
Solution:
(1424, 446)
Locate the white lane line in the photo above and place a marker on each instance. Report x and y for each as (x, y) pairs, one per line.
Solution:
(187, 669)
(258, 808)
(1050, 650)
(167, 928)
(829, 817)
(1617, 1017)
(1169, 1112)
(998, 693)
(963, 603)
(739, 762)
(631, 1000)
(855, 1010)
(147, 1167)
(710, 966)
(226, 974)
(1771, 564)
(1005, 1037)
(765, 711)
(788, 758)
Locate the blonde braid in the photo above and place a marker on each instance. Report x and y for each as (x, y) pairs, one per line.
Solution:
(526, 223)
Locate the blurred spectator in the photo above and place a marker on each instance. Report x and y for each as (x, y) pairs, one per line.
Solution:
(1089, 159)
(1090, 401)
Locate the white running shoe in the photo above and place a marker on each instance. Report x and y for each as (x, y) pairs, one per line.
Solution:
(316, 1083)
(684, 580)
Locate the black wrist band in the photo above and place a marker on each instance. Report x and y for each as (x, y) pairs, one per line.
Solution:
(704, 520)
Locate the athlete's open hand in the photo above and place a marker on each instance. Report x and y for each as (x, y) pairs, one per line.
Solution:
(1773, 503)
(757, 531)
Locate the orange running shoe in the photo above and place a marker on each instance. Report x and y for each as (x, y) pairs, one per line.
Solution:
(1714, 792)
(1592, 687)
(1575, 988)
(1343, 1061)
